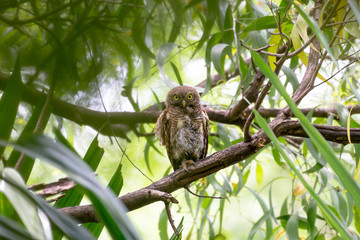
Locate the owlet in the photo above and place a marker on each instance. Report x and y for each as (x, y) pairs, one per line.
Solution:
(183, 127)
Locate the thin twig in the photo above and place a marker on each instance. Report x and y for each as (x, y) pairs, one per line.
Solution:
(171, 220)
(202, 196)
(346, 66)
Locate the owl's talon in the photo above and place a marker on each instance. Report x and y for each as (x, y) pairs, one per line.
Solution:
(184, 164)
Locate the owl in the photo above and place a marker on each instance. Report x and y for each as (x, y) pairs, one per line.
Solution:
(183, 127)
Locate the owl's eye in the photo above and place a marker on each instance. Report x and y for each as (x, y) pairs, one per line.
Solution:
(176, 97)
(190, 96)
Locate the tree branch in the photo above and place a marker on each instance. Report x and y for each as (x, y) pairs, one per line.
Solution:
(121, 122)
(211, 164)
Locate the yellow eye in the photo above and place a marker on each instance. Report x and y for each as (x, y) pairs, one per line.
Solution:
(176, 97)
(190, 96)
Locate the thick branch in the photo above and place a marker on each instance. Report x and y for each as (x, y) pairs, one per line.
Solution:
(211, 164)
(330, 133)
(174, 181)
(122, 121)
(318, 112)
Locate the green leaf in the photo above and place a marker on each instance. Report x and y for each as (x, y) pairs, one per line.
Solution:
(343, 207)
(276, 156)
(218, 53)
(357, 218)
(311, 217)
(240, 184)
(271, 206)
(27, 163)
(179, 229)
(206, 208)
(116, 183)
(68, 226)
(9, 103)
(60, 137)
(138, 35)
(163, 222)
(177, 74)
(188, 202)
(303, 224)
(9, 229)
(257, 226)
(353, 89)
(24, 207)
(316, 29)
(146, 156)
(284, 211)
(211, 228)
(160, 106)
(292, 227)
(350, 203)
(342, 112)
(216, 38)
(314, 168)
(318, 140)
(224, 136)
(329, 214)
(222, 206)
(259, 174)
(244, 71)
(320, 161)
(161, 55)
(107, 206)
(355, 8)
(266, 212)
(212, 6)
(222, 14)
(267, 22)
(177, 8)
(92, 157)
(290, 77)
(226, 21)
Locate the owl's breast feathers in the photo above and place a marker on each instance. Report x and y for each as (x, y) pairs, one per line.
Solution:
(185, 137)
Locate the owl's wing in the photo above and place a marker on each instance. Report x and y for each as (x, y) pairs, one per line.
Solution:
(162, 131)
(205, 123)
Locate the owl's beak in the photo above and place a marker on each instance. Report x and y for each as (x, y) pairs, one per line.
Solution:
(183, 103)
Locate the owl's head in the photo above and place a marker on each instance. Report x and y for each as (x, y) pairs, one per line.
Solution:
(184, 97)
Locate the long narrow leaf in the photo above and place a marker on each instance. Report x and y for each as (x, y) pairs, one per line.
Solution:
(73, 197)
(92, 157)
(68, 226)
(292, 227)
(9, 104)
(107, 206)
(266, 212)
(26, 209)
(116, 183)
(161, 55)
(316, 29)
(355, 8)
(318, 140)
(27, 163)
(9, 229)
(325, 209)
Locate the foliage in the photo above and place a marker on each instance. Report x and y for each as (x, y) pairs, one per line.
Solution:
(95, 63)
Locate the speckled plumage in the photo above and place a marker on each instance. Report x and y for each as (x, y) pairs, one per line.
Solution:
(183, 126)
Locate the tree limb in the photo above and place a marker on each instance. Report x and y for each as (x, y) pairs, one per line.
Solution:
(213, 163)
(121, 122)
